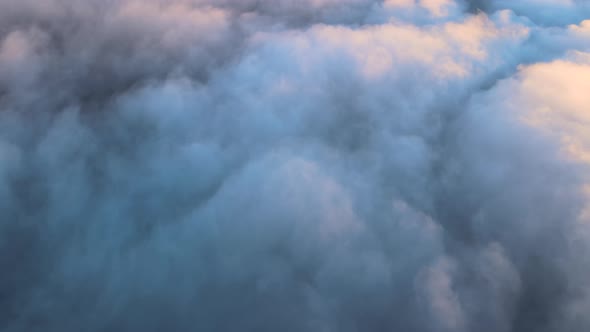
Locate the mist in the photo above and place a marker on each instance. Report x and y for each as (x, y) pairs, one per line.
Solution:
(314, 165)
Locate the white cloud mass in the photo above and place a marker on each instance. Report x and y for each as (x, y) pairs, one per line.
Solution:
(279, 165)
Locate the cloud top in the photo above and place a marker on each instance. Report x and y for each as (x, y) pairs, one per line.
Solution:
(319, 165)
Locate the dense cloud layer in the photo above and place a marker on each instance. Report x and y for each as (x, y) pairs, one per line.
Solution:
(316, 165)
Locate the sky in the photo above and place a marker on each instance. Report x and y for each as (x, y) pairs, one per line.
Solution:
(282, 165)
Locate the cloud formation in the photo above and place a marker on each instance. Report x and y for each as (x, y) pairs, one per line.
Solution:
(319, 165)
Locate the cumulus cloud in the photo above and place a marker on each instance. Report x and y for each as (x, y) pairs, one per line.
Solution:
(320, 165)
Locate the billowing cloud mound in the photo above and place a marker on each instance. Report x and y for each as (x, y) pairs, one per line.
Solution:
(277, 165)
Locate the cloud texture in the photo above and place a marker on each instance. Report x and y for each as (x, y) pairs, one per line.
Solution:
(277, 165)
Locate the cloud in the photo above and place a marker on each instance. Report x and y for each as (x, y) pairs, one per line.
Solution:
(542, 12)
(357, 165)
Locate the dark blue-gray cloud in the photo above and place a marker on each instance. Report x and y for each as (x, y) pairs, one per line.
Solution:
(293, 166)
